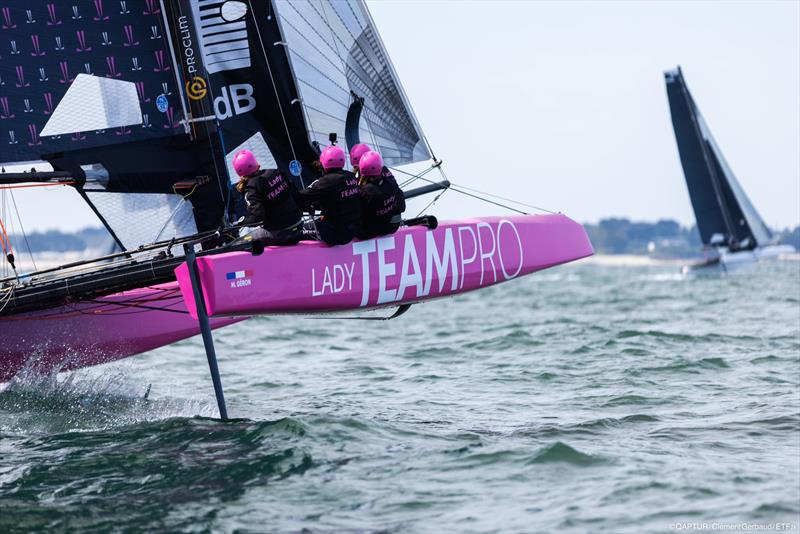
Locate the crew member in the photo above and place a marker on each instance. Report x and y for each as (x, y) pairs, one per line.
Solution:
(382, 200)
(355, 154)
(337, 195)
(270, 198)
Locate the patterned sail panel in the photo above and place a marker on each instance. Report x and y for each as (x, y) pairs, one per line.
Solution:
(45, 45)
(336, 56)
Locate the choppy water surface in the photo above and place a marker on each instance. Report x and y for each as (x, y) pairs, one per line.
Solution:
(584, 398)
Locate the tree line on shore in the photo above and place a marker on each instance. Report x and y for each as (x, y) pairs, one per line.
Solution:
(663, 238)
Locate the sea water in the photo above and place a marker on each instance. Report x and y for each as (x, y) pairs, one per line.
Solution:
(580, 399)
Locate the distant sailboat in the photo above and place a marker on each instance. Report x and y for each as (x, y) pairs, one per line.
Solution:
(730, 228)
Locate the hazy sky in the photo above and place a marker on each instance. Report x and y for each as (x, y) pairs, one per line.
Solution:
(562, 104)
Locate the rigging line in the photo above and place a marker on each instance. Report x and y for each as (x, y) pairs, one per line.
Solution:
(274, 86)
(181, 202)
(505, 199)
(8, 298)
(461, 189)
(23, 186)
(24, 234)
(487, 200)
(432, 202)
(124, 304)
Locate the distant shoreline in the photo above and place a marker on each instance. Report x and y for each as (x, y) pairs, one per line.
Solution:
(49, 259)
(637, 260)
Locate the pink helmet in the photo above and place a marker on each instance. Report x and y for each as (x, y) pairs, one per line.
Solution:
(332, 158)
(245, 163)
(356, 152)
(371, 164)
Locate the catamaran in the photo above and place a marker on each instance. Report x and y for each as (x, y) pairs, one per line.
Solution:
(731, 229)
(139, 106)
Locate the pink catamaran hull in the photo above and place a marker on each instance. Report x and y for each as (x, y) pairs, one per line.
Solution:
(91, 333)
(413, 265)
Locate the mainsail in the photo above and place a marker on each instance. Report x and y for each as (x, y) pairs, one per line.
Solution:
(91, 85)
(209, 77)
(723, 211)
(339, 61)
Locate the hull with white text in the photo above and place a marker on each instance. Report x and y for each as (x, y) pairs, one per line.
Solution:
(413, 265)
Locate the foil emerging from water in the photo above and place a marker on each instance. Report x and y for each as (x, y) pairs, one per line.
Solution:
(36, 402)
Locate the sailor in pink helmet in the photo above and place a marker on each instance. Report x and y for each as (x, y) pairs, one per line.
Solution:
(337, 195)
(355, 154)
(271, 201)
(382, 200)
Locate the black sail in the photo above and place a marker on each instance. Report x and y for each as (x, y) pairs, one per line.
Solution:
(724, 213)
(239, 83)
(208, 78)
(65, 67)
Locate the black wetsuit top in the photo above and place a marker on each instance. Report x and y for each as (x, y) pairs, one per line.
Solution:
(382, 202)
(338, 196)
(271, 200)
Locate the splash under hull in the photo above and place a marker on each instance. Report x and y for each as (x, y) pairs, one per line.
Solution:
(91, 333)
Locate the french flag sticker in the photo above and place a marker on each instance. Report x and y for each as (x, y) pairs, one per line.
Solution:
(236, 275)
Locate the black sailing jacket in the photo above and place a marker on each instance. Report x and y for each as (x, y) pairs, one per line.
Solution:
(382, 201)
(338, 196)
(271, 200)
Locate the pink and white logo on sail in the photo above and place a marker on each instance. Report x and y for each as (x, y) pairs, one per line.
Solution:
(63, 66)
(53, 17)
(37, 51)
(129, 39)
(82, 42)
(171, 122)
(111, 63)
(140, 90)
(8, 24)
(161, 65)
(5, 109)
(151, 8)
(98, 7)
(48, 102)
(21, 77)
(34, 133)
